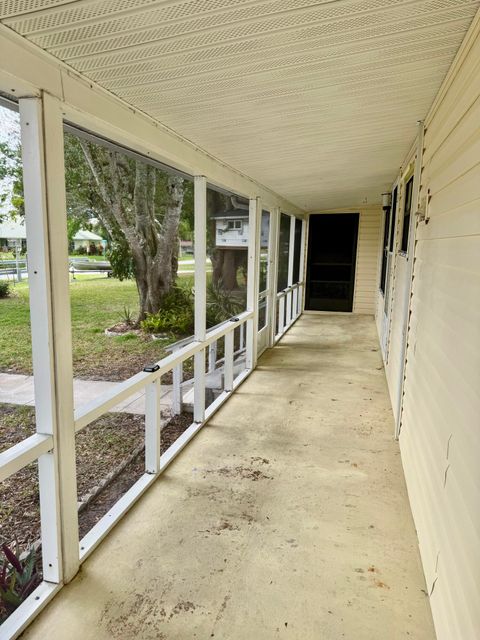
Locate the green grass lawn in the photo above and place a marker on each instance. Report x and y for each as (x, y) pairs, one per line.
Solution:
(97, 302)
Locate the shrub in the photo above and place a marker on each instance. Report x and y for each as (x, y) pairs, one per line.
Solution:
(127, 316)
(176, 315)
(18, 578)
(4, 289)
(221, 305)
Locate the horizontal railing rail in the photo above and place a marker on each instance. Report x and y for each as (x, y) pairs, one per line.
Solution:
(100, 405)
(22, 454)
(18, 456)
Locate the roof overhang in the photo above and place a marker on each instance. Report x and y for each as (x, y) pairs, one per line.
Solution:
(317, 100)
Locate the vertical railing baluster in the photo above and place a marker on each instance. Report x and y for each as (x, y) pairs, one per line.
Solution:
(281, 314)
(177, 400)
(152, 426)
(212, 356)
(228, 366)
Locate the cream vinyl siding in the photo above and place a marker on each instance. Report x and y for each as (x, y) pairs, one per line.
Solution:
(368, 264)
(440, 434)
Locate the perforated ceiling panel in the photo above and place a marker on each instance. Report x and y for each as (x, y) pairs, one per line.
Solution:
(317, 99)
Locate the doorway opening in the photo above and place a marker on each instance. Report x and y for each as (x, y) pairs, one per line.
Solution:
(332, 252)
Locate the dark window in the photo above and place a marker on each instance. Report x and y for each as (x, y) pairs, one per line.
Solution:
(388, 235)
(283, 252)
(406, 214)
(297, 250)
(394, 220)
(385, 250)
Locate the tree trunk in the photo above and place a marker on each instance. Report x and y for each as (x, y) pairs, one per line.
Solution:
(130, 210)
(229, 271)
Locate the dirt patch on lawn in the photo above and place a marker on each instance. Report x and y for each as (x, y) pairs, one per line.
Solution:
(101, 448)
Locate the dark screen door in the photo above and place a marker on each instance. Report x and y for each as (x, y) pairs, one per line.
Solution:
(332, 251)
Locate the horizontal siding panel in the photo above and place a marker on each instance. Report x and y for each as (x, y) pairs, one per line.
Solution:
(454, 143)
(462, 221)
(468, 157)
(440, 437)
(462, 191)
(366, 272)
(462, 93)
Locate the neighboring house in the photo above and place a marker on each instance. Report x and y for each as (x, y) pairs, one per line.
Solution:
(231, 229)
(12, 234)
(84, 239)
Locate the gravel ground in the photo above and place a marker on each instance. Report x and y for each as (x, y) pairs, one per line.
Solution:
(101, 448)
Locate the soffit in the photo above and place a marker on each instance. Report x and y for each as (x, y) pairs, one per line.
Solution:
(317, 100)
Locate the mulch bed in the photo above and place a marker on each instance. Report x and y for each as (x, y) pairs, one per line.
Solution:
(101, 448)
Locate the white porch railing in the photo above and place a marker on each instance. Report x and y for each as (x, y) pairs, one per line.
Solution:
(288, 307)
(33, 448)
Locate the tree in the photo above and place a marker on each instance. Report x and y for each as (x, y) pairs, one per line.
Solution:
(11, 180)
(140, 207)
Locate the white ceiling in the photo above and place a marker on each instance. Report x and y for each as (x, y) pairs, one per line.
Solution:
(317, 99)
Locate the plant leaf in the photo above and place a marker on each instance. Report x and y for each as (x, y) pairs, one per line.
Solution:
(12, 558)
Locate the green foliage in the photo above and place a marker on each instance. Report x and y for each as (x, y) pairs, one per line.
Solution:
(74, 225)
(186, 225)
(221, 305)
(120, 258)
(176, 315)
(127, 315)
(11, 173)
(4, 289)
(18, 578)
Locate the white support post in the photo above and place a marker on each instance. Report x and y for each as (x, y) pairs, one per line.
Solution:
(241, 337)
(46, 224)
(295, 304)
(228, 362)
(291, 259)
(153, 425)
(303, 267)
(177, 401)
(200, 204)
(273, 284)
(254, 221)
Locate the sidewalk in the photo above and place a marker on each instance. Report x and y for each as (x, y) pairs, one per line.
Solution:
(19, 389)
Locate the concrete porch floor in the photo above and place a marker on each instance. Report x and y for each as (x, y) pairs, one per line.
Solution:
(286, 517)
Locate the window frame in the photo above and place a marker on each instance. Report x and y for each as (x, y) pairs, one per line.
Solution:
(407, 214)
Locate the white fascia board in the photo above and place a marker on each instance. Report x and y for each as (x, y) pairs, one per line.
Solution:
(27, 70)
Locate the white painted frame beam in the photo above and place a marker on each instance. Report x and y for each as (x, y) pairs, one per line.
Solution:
(46, 225)
(253, 267)
(200, 233)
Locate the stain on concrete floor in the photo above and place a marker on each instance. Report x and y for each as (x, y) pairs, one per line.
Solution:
(287, 516)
